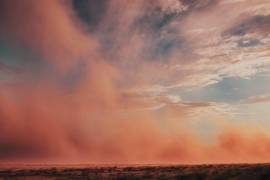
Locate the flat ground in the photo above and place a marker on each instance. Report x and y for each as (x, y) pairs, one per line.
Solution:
(219, 172)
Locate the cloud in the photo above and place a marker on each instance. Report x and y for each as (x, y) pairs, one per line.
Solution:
(90, 11)
(258, 99)
(172, 6)
(253, 24)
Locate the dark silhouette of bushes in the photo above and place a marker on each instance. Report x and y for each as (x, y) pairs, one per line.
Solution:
(198, 172)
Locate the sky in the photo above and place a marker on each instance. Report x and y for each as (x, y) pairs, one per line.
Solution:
(134, 81)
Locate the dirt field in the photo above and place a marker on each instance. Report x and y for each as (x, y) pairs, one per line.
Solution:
(219, 172)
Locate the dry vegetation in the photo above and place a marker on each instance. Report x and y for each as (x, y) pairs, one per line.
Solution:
(219, 172)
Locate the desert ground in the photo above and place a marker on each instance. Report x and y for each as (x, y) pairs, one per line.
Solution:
(219, 172)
